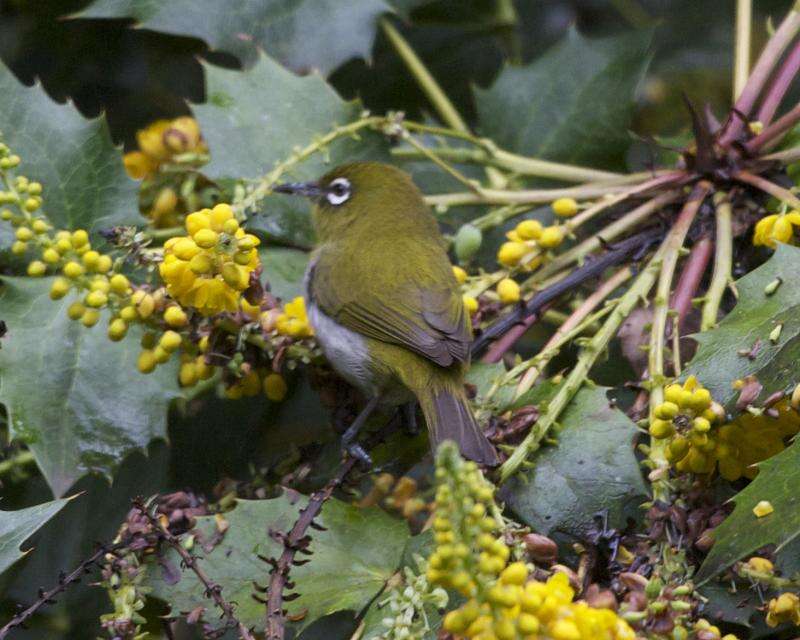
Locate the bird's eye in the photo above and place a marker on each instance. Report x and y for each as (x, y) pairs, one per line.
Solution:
(338, 191)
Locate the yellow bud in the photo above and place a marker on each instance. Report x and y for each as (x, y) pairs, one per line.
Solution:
(119, 284)
(104, 264)
(100, 283)
(201, 264)
(187, 375)
(19, 247)
(275, 387)
(145, 304)
(529, 229)
(175, 317)
(170, 341)
(24, 234)
(90, 259)
(504, 629)
(75, 311)
(128, 313)
(36, 269)
(508, 291)
(551, 237)
(198, 220)
(161, 355)
(185, 248)
(233, 276)
(165, 201)
(146, 362)
(90, 318)
(247, 243)
(72, 270)
(59, 288)
(96, 299)
(673, 393)
(515, 573)
(511, 253)
(661, 428)
(230, 227)
(63, 245)
(117, 329)
(666, 410)
(79, 238)
(459, 274)
(454, 622)
(564, 630)
(470, 304)
(206, 238)
(761, 565)
(701, 425)
(51, 256)
(40, 226)
(565, 207)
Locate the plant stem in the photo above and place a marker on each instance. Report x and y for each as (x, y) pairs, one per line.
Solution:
(723, 262)
(427, 83)
(689, 281)
(786, 156)
(577, 375)
(783, 80)
(472, 185)
(766, 186)
(574, 320)
(165, 234)
(17, 461)
(766, 62)
(522, 165)
(741, 62)
(772, 134)
(670, 253)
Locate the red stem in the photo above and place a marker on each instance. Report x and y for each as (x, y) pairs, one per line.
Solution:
(783, 80)
(759, 76)
(772, 133)
(689, 281)
(507, 340)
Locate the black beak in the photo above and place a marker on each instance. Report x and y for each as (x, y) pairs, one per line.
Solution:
(307, 189)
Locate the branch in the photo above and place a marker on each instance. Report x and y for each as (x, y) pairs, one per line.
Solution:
(741, 62)
(768, 187)
(297, 540)
(772, 134)
(783, 80)
(723, 262)
(48, 597)
(212, 589)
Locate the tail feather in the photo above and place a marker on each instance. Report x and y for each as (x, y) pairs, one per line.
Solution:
(449, 418)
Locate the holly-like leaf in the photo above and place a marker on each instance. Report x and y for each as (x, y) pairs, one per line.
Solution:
(352, 558)
(742, 532)
(302, 34)
(17, 526)
(741, 344)
(591, 471)
(256, 118)
(85, 184)
(573, 104)
(76, 398)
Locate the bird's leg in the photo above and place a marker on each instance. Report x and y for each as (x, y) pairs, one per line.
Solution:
(409, 411)
(349, 443)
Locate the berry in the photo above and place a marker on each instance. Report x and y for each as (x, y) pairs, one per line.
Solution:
(565, 207)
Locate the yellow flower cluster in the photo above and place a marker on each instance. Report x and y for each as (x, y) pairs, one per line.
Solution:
(685, 418)
(161, 141)
(502, 602)
(698, 443)
(271, 384)
(784, 608)
(527, 243)
(775, 228)
(293, 320)
(209, 268)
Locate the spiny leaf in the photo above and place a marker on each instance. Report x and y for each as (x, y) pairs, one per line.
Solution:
(76, 398)
(741, 533)
(257, 118)
(351, 559)
(85, 184)
(302, 34)
(573, 104)
(719, 359)
(591, 471)
(17, 526)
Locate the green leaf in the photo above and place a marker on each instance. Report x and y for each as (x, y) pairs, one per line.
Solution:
(17, 526)
(85, 184)
(573, 104)
(717, 362)
(351, 559)
(741, 533)
(76, 398)
(592, 470)
(302, 34)
(284, 270)
(255, 119)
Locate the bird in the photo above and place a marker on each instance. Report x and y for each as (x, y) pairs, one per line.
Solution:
(384, 303)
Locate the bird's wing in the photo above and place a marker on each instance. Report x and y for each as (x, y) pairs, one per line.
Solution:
(419, 307)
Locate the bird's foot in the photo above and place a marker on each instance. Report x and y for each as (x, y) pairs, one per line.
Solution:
(355, 450)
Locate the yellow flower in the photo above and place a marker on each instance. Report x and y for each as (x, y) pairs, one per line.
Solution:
(139, 165)
(784, 608)
(508, 291)
(151, 140)
(293, 321)
(209, 276)
(776, 228)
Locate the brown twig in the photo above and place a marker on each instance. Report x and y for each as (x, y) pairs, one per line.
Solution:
(212, 589)
(48, 597)
(297, 541)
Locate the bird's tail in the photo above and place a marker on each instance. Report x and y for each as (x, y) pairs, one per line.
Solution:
(449, 418)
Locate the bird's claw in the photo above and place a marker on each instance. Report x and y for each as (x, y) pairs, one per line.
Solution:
(355, 450)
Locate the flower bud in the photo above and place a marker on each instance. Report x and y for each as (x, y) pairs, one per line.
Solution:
(467, 241)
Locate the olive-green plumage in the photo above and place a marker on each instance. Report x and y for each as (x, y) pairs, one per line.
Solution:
(384, 302)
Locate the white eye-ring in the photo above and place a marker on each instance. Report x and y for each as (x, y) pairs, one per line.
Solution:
(338, 191)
